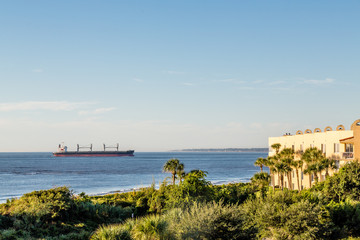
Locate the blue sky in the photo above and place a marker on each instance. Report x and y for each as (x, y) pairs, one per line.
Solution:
(163, 75)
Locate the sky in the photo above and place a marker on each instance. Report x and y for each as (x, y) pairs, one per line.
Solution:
(166, 75)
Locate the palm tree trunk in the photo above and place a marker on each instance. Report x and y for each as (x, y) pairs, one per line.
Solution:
(282, 182)
(272, 179)
(298, 180)
(174, 178)
(289, 180)
(279, 180)
(316, 177)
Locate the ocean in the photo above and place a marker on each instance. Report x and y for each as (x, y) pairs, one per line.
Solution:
(26, 172)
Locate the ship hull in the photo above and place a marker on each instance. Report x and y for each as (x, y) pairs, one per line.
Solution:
(129, 153)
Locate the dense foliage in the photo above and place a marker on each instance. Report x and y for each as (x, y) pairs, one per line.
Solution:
(192, 208)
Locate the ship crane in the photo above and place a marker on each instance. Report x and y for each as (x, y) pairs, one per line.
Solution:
(117, 147)
(87, 147)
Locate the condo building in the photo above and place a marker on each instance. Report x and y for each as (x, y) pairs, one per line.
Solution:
(337, 143)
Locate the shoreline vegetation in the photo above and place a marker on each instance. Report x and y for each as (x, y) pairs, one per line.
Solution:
(136, 189)
(187, 206)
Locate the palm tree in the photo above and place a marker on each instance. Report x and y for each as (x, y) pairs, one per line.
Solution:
(311, 170)
(262, 181)
(171, 166)
(261, 162)
(313, 157)
(287, 157)
(328, 164)
(282, 168)
(277, 147)
(180, 172)
(271, 161)
(298, 164)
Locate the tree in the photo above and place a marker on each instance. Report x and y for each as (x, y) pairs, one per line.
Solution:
(261, 180)
(345, 184)
(281, 168)
(298, 164)
(287, 157)
(171, 166)
(261, 162)
(277, 147)
(328, 164)
(313, 157)
(272, 163)
(180, 172)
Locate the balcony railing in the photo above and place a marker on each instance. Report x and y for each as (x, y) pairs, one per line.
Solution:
(348, 155)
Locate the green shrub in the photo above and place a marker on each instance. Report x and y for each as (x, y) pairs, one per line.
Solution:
(210, 221)
(153, 227)
(346, 216)
(111, 232)
(345, 184)
(284, 216)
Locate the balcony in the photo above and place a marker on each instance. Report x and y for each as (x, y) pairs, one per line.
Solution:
(348, 155)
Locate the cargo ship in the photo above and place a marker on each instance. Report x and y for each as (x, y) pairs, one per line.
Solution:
(63, 152)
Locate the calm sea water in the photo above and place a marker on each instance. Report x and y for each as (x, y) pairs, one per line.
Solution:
(25, 172)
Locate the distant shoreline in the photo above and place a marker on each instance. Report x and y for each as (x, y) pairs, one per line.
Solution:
(223, 150)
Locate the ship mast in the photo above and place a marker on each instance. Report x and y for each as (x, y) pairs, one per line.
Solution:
(79, 147)
(117, 147)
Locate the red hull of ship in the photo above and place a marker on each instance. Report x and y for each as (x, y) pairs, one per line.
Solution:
(92, 155)
(129, 153)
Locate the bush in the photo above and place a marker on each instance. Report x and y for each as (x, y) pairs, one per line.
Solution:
(210, 221)
(111, 232)
(346, 216)
(345, 184)
(282, 216)
(153, 227)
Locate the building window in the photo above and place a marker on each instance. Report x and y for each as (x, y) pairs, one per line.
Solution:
(293, 186)
(349, 147)
(311, 145)
(337, 163)
(293, 147)
(302, 176)
(323, 148)
(293, 173)
(301, 148)
(336, 147)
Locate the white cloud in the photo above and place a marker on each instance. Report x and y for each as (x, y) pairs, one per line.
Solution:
(246, 88)
(138, 80)
(97, 111)
(257, 81)
(256, 125)
(318, 82)
(188, 84)
(173, 72)
(276, 83)
(231, 80)
(37, 105)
